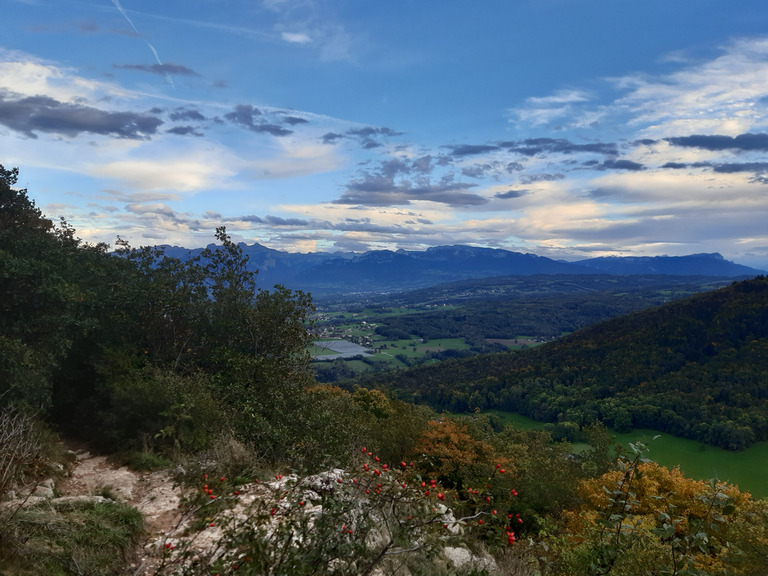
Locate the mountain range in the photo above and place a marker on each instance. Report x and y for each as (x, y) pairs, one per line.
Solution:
(385, 271)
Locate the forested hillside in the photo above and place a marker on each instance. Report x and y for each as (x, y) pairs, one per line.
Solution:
(696, 368)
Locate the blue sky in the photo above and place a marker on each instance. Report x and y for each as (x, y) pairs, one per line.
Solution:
(566, 128)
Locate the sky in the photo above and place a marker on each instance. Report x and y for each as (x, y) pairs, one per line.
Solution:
(565, 128)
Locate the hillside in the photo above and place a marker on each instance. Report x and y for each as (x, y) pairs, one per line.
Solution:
(696, 368)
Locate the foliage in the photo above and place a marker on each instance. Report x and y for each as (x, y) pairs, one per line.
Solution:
(377, 517)
(643, 519)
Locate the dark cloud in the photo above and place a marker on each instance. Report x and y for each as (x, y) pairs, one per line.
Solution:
(294, 120)
(44, 114)
(536, 146)
(742, 142)
(471, 149)
(332, 137)
(270, 220)
(477, 170)
(730, 168)
(365, 136)
(623, 165)
(184, 114)
(612, 165)
(509, 194)
(531, 178)
(675, 165)
(149, 209)
(245, 114)
(365, 225)
(381, 190)
(370, 131)
(423, 165)
(185, 131)
(160, 69)
(514, 167)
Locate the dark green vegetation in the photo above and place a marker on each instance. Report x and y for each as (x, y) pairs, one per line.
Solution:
(487, 315)
(696, 368)
(140, 350)
(187, 362)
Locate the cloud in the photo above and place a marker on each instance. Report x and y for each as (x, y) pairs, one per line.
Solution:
(165, 69)
(332, 137)
(186, 114)
(45, 114)
(382, 190)
(734, 167)
(184, 131)
(544, 109)
(296, 37)
(186, 172)
(740, 143)
(22, 75)
(536, 146)
(294, 120)
(621, 165)
(531, 178)
(472, 149)
(245, 114)
(510, 194)
(725, 95)
(269, 220)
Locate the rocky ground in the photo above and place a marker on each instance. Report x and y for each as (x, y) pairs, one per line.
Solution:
(152, 493)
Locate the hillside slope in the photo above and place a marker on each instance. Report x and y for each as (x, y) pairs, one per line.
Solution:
(696, 368)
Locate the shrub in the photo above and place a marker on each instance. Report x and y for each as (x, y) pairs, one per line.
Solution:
(341, 523)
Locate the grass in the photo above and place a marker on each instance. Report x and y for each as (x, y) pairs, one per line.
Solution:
(747, 469)
(92, 538)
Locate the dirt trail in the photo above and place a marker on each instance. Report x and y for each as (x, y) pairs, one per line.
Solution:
(151, 493)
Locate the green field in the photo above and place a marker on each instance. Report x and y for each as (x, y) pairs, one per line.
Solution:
(747, 469)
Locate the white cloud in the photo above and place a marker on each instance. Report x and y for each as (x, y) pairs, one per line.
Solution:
(296, 37)
(24, 75)
(297, 158)
(722, 96)
(185, 173)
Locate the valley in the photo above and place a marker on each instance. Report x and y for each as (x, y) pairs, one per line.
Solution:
(479, 316)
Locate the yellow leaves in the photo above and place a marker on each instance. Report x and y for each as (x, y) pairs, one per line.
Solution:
(658, 489)
(449, 449)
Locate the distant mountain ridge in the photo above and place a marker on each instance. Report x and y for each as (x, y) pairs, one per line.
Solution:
(386, 271)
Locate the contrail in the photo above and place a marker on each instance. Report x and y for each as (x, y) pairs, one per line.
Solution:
(157, 57)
